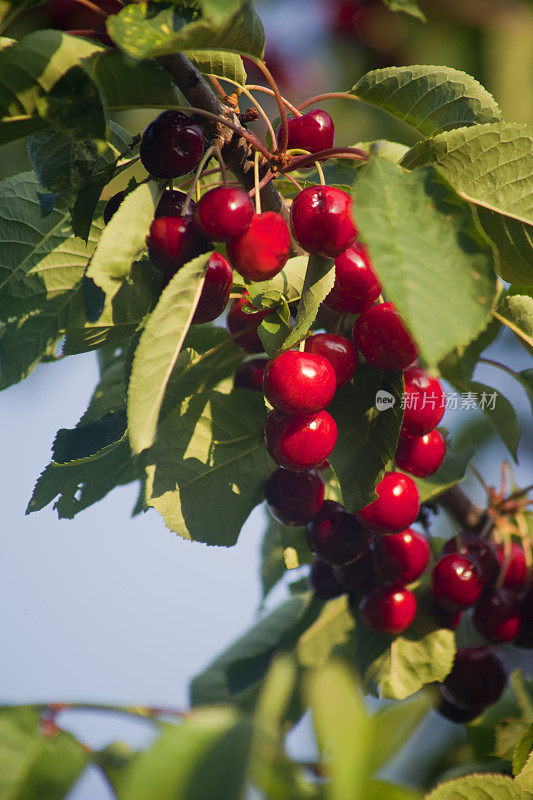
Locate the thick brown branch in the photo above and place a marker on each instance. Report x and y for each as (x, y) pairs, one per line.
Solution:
(463, 510)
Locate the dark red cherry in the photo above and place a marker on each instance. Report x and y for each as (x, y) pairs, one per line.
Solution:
(446, 618)
(299, 383)
(321, 219)
(477, 680)
(420, 455)
(224, 213)
(516, 569)
(172, 145)
(525, 634)
(479, 550)
(424, 402)
(457, 713)
(388, 609)
(294, 498)
(171, 204)
(215, 291)
(300, 443)
(356, 286)
(381, 337)
(112, 205)
(396, 506)
(322, 581)
(242, 326)
(313, 131)
(250, 374)
(457, 582)
(336, 536)
(497, 615)
(339, 351)
(400, 557)
(357, 576)
(173, 241)
(263, 250)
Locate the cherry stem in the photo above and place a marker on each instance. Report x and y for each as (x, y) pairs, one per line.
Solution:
(261, 111)
(206, 157)
(262, 183)
(497, 364)
(256, 184)
(137, 711)
(320, 173)
(333, 152)
(93, 7)
(291, 179)
(475, 472)
(218, 87)
(218, 156)
(279, 100)
(249, 137)
(327, 96)
(254, 88)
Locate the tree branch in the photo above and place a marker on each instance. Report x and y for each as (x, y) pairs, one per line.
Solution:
(462, 509)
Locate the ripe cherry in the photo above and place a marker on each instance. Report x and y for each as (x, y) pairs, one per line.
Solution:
(357, 576)
(382, 338)
(396, 506)
(300, 443)
(525, 634)
(424, 402)
(477, 679)
(321, 219)
(457, 713)
(336, 536)
(516, 569)
(313, 131)
(262, 251)
(356, 286)
(400, 557)
(388, 609)
(478, 550)
(497, 615)
(215, 291)
(299, 383)
(242, 323)
(171, 204)
(224, 213)
(112, 205)
(294, 498)
(446, 618)
(322, 581)
(173, 241)
(250, 374)
(339, 351)
(172, 145)
(420, 455)
(457, 582)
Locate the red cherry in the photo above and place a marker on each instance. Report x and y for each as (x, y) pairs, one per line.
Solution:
(356, 286)
(420, 455)
(357, 576)
(457, 582)
(516, 570)
(525, 634)
(224, 213)
(263, 250)
(300, 443)
(299, 383)
(396, 507)
(112, 205)
(242, 326)
(313, 131)
(477, 679)
(172, 145)
(294, 498)
(381, 336)
(400, 557)
(388, 609)
(336, 536)
(69, 14)
(171, 204)
(216, 290)
(446, 618)
(497, 615)
(457, 713)
(339, 351)
(173, 241)
(321, 218)
(478, 550)
(424, 402)
(250, 374)
(322, 581)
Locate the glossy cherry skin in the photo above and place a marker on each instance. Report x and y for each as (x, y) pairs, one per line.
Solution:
(250, 374)
(356, 286)
(242, 326)
(173, 241)
(313, 131)
(300, 443)
(420, 455)
(336, 536)
(171, 204)
(172, 145)
(457, 582)
(357, 576)
(339, 351)
(516, 570)
(388, 609)
(400, 557)
(299, 383)
(478, 550)
(321, 219)
(525, 634)
(381, 337)
(294, 498)
(262, 251)
(112, 205)
(215, 291)
(477, 680)
(224, 213)
(497, 615)
(424, 402)
(396, 507)
(322, 581)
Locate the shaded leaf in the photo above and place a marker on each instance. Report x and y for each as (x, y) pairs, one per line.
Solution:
(451, 472)
(332, 628)
(410, 7)
(523, 749)
(318, 282)
(513, 240)
(479, 787)
(395, 724)
(515, 311)
(219, 64)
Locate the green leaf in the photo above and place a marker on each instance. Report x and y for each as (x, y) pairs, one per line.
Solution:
(218, 63)
(318, 282)
(332, 628)
(287, 284)
(462, 361)
(282, 549)
(523, 749)
(146, 33)
(124, 84)
(395, 724)
(410, 7)
(274, 329)
(421, 244)
(515, 311)
(429, 99)
(368, 437)
(479, 787)
(513, 241)
(450, 473)
(524, 779)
